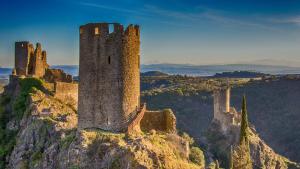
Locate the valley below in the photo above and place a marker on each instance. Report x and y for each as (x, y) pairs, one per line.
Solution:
(273, 106)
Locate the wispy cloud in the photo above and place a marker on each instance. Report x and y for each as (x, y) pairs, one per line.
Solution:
(185, 18)
(295, 20)
(110, 8)
(208, 14)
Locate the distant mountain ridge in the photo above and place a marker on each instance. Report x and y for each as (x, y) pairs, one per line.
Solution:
(188, 69)
(210, 70)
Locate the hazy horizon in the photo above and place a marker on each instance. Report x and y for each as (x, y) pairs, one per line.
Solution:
(173, 31)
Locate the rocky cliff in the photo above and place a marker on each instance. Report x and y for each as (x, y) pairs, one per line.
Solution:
(46, 136)
(262, 156)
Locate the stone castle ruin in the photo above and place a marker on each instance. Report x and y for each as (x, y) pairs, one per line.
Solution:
(225, 115)
(109, 71)
(32, 62)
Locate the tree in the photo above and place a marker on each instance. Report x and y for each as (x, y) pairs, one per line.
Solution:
(241, 158)
(244, 124)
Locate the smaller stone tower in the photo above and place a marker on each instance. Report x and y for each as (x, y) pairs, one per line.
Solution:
(224, 114)
(221, 102)
(23, 54)
(30, 61)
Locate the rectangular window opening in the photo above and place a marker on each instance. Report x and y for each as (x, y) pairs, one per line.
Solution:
(111, 28)
(96, 31)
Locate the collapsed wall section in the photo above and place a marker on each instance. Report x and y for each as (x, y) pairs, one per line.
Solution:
(163, 120)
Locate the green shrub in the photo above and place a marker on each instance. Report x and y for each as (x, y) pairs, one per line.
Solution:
(8, 137)
(27, 86)
(196, 156)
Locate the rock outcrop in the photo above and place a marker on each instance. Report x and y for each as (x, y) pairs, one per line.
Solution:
(47, 137)
(262, 156)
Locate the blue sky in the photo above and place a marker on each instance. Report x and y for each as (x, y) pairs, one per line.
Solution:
(173, 31)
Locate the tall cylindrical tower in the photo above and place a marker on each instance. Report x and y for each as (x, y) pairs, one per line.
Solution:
(109, 88)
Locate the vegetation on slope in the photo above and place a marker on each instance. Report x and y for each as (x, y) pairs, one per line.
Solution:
(18, 106)
(48, 138)
(191, 100)
(241, 154)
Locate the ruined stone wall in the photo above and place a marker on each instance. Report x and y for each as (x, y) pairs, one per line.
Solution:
(109, 76)
(38, 62)
(221, 102)
(134, 125)
(225, 115)
(66, 92)
(164, 120)
(30, 61)
(23, 54)
(57, 75)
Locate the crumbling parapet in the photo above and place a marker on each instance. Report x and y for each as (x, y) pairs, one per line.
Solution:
(57, 75)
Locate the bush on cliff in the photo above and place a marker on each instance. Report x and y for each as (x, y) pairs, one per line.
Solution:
(196, 156)
(27, 86)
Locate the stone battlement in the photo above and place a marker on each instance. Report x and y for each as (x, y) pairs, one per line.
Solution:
(103, 30)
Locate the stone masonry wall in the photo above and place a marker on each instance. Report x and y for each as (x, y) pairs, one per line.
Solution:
(66, 92)
(109, 76)
(221, 103)
(164, 120)
(30, 61)
(134, 125)
(225, 115)
(57, 75)
(23, 54)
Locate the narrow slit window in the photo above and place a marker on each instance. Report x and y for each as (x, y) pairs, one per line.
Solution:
(109, 60)
(96, 31)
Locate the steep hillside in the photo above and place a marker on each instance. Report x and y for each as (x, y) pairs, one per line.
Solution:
(40, 131)
(263, 157)
(272, 105)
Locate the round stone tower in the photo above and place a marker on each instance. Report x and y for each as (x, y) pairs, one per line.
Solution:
(109, 71)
